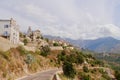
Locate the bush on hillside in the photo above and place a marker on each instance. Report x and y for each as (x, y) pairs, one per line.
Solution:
(29, 59)
(97, 62)
(38, 52)
(106, 76)
(22, 50)
(84, 76)
(80, 59)
(55, 44)
(22, 35)
(117, 75)
(71, 58)
(85, 69)
(61, 57)
(25, 41)
(45, 51)
(68, 70)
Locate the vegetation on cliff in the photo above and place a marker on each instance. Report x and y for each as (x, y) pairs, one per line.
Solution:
(18, 62)
(79, 65)
(76, 64)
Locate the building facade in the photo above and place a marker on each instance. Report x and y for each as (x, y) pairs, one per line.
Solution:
(34, 35)
(10, 30)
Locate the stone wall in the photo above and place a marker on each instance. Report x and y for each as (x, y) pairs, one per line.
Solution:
(30, 48)
(56, 48)
(5, 44)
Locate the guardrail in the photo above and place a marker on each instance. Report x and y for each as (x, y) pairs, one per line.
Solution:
(56, 76)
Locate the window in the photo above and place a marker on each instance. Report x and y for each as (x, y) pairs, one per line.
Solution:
(5, 33)
(6, 26)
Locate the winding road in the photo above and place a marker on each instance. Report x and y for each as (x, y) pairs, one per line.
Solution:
(46, 75)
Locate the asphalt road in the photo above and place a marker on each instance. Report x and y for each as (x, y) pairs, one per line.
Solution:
(46, 75)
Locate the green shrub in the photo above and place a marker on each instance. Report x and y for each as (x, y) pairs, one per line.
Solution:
(80, 58)
(117, 75)
(38, 37)
(25, 41)
(102, 71)
(22, 50)
(29, 59)
(61, 57)
(71, 58)
(93, 71)
(55, 44)
(97, 62)
(84, 76)
(85, 69)
(68, 69)
(45, 51)
(106, 76)
(37, 52)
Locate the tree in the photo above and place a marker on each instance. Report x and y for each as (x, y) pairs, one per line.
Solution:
(84, 76)
(45, 50)
(80, 59)
(61, 57)
(68, 70)
(71, 58)
(85, 69)
(25, 41)
(38, 37)
(117, 75)
(55, 44)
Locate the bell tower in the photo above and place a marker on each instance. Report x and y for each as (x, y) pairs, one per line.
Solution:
(29, 31)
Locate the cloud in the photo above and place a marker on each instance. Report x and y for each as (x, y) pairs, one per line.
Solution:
(112, 30)
(86, 19)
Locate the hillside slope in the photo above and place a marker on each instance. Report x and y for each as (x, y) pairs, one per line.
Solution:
(18, 62)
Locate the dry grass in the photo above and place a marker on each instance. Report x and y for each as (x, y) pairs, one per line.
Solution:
(13, 65)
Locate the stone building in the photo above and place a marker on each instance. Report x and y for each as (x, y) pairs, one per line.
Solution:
(34, 35)
(29, 32)
(10, 30)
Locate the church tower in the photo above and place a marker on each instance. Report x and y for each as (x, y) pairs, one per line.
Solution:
(29, 31)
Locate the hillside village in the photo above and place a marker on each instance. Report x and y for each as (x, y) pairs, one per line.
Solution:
(31, 40)
(27, 53)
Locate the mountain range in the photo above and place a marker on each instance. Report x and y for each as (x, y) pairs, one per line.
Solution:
(100, 45)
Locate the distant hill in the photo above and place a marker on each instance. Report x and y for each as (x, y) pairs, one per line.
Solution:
(106, 44)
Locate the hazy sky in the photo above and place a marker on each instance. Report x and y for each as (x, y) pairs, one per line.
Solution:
(86, 19)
